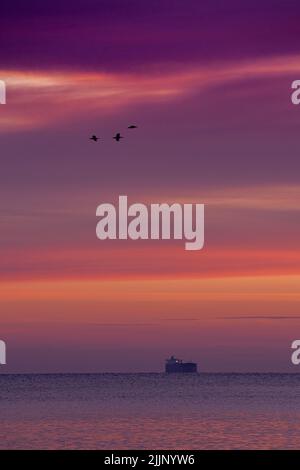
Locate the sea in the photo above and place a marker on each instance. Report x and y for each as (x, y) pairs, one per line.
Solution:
(150, 411)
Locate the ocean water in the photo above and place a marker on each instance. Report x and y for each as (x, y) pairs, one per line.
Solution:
(150, 411)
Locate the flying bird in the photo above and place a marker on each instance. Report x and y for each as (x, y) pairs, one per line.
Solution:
(94, 138)
(132, 127)
(117, 137)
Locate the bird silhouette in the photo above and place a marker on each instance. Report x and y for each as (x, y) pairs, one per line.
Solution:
(117, 137)
(132, 127)
(94, 138)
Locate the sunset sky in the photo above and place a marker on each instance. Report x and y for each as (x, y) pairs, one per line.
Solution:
(209, 85)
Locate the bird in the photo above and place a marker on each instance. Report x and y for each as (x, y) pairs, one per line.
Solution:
(132, 126)
(117, 137)
(94, 138)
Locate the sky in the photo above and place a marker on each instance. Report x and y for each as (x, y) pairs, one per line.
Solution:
(209, 85)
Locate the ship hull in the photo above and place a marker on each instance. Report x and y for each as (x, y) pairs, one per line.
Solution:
(181, 368)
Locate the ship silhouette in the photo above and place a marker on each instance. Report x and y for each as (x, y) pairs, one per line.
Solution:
(174, 365)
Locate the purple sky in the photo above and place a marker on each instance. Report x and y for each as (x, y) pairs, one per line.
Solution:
(131, 35)
(208, 84)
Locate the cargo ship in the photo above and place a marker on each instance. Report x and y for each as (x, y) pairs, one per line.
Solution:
(174, 365)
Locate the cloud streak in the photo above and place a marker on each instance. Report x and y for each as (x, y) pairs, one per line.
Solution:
(71, 95)
(263, 317)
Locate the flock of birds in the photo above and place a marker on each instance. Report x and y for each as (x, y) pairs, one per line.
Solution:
(117, 137)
